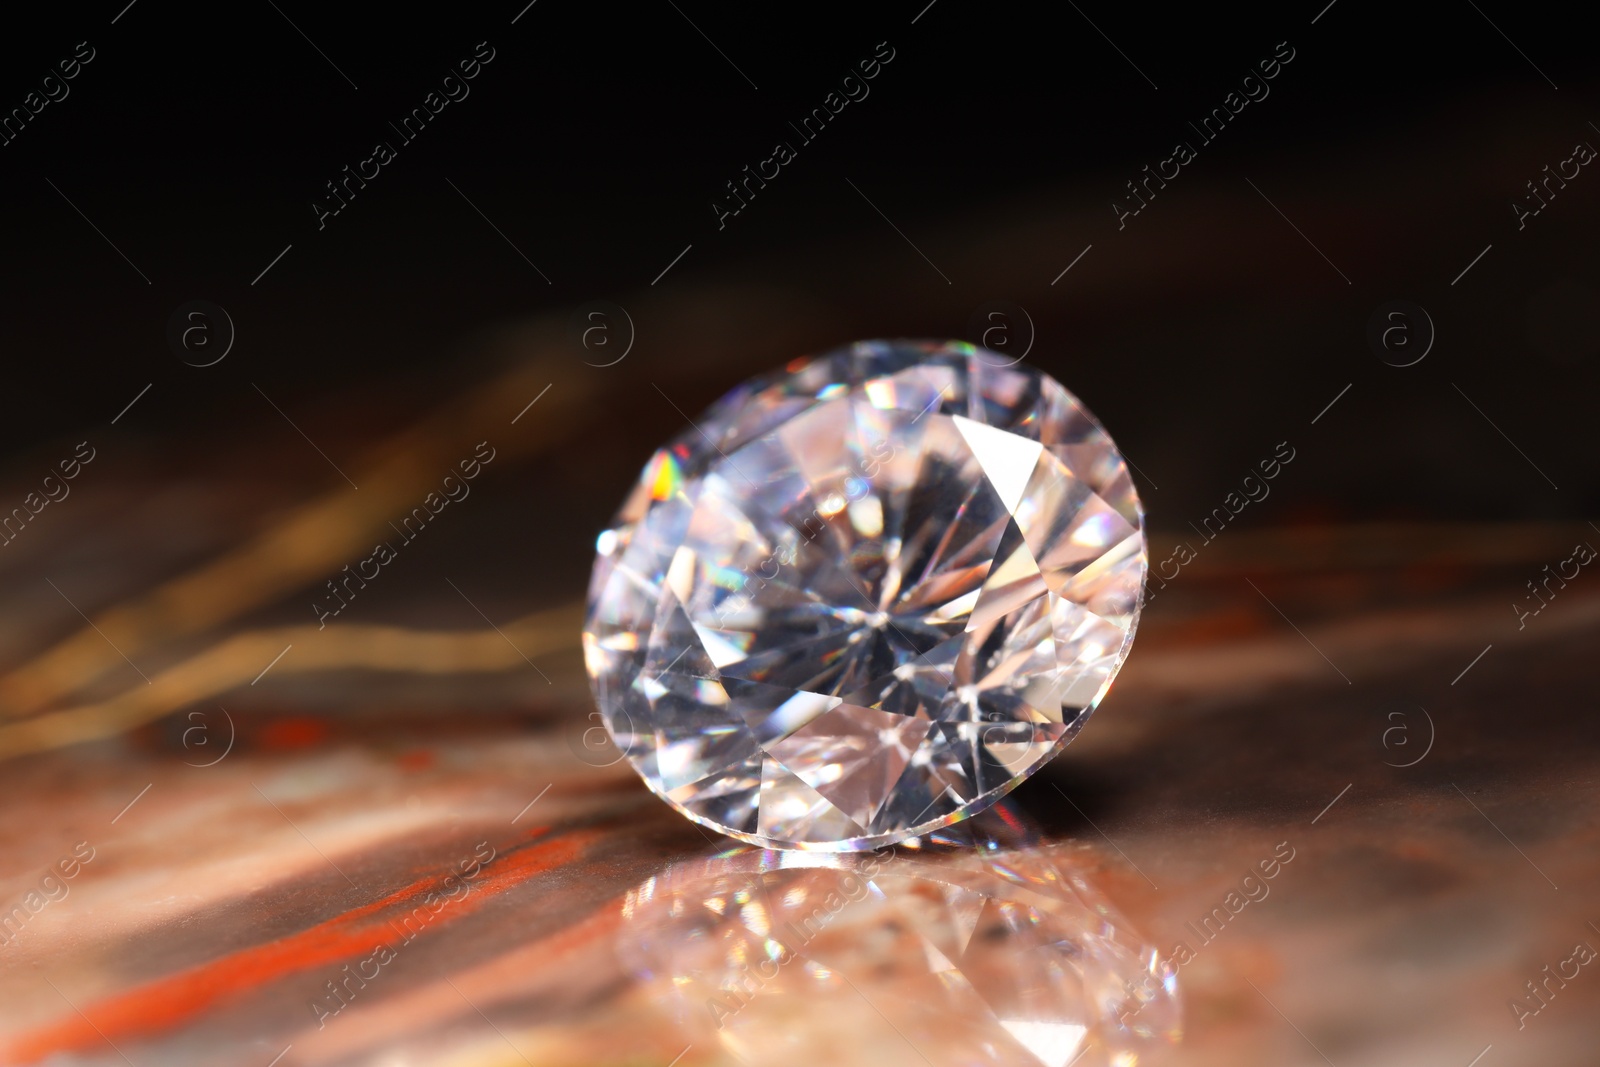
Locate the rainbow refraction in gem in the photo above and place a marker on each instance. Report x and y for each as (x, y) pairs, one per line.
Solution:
(865, 596)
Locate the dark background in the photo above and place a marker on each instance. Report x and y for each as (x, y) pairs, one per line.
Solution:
(1276, 683)
(1203, 333)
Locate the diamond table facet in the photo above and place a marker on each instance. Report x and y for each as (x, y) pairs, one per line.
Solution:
(865, 596)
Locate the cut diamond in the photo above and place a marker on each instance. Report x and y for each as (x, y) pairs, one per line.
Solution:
(865, 596)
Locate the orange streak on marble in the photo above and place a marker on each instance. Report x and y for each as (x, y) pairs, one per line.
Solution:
(167, 1002)
(526, 971)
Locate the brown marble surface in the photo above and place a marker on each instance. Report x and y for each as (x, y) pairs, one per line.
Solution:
(230, 882)
(211, 806)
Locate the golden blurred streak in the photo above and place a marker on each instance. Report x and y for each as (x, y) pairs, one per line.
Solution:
(240, 658)
(318, 537)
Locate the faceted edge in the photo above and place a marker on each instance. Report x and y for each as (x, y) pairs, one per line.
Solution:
(961, 814)
(700, 458)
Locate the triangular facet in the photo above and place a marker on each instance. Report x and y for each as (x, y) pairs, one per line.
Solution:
(1052, 1044)
(853, 755)
(793, 811)
(1007, 459)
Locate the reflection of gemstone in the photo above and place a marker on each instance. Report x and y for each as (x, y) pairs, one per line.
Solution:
(865, 596)
(970, 954)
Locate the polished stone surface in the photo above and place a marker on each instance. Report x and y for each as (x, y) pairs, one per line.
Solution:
(1359, 695)
(1418, 903)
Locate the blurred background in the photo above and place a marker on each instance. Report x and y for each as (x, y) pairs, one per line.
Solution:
(1377, 254)
(595, 144)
